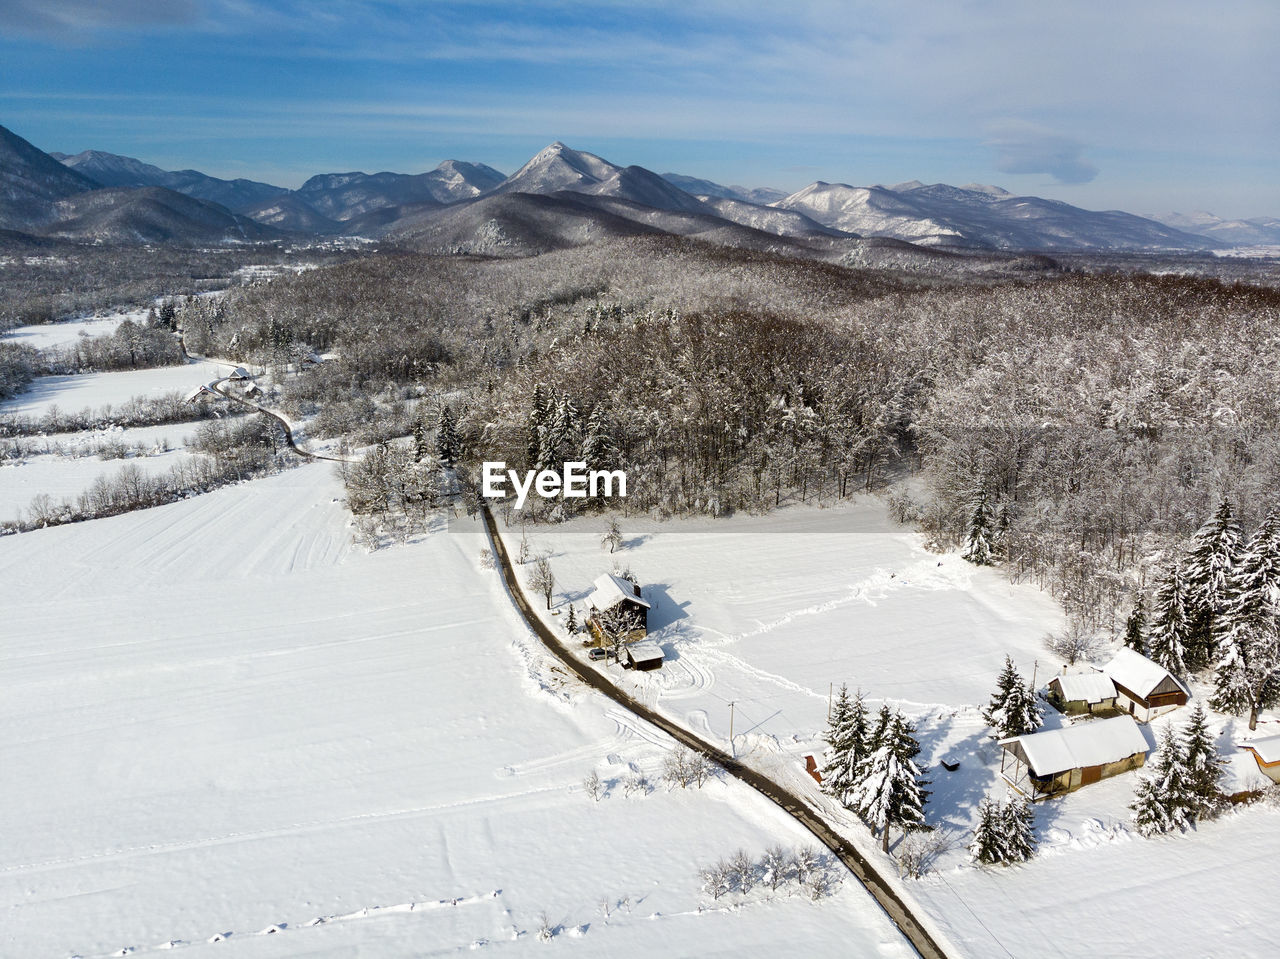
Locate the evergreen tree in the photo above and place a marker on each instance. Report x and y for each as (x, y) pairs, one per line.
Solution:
(1135, 627)
(448, 444)
(1164, 801)
(1169, 635)
(571, 623)
(1215, 551)
(1019, 828)
(536, 425)
(846, 738)
(890, 790)
(988, 843)
(1200, 755)
(420, 449)
(597, 448)
(1014, 709)
(1248, 675)
(979, 534)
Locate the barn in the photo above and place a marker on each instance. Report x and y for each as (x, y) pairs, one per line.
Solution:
(1040, 765)
(1090, 692)
(1144, 689)
(642, 656)
(617, 606)
(1266, 752)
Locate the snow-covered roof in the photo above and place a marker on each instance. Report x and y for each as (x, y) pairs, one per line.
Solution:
(1085, 744)
(1267, 748)
(239, 373)
(1135, 672)
(1090, 687)
(644, 652)
(611, 590)
(200, 391)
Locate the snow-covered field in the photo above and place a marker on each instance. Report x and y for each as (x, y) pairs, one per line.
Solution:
(768, 612)
(42, 336)
(95, 390)
(65, 477)
(221, 721)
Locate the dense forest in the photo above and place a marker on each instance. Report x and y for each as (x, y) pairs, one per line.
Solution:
(1098, 416)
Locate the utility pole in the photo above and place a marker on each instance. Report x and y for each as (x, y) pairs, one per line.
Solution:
(731, 751)
(831, 690)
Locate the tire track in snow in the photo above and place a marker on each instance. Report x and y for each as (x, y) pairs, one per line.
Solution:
(293, 829)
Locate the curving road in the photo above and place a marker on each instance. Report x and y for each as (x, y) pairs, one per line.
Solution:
(863, 870)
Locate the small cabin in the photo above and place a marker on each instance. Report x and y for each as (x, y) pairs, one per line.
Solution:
(642, 656)
(1144, 689)
(1076, 693)
(1040, 765)
(199, 393)
(617, 606)
(239, 373)
(1266, 752)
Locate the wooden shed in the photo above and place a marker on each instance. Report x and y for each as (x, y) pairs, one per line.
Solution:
(1266, 752)
(1089, 692)
(642, 656)
(1040, 765)
(1144, 689)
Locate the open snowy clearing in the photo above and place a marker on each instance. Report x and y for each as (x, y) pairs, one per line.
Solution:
(65, 477)
(42, 336)
(767, 612)
(221, 722)
(95, 390)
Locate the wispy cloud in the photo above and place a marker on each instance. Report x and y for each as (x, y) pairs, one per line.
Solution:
(76, 18)
(1022, 147)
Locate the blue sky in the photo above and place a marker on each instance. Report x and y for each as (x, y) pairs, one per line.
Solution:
(1145, 106)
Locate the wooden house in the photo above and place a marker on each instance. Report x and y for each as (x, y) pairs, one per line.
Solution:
(1144, 689)
(1266, 752)
(1089, 692)
(616, 605)
(199, 393)
(239, 373)
(642, 656)
(1040, 765)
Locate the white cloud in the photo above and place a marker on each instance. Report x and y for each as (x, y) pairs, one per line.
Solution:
(1026, 148)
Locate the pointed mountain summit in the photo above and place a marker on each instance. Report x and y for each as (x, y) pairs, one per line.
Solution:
(557, 167)
(31, 182)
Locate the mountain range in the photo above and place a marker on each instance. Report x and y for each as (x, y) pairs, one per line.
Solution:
(560, 197)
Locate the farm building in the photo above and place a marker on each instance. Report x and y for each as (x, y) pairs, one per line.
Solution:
(1089, 692)
(239, 373)
(1266, 752)
(1040, 765)
(200, 392)
(642, 656)
(1144, 689)
(617, 608)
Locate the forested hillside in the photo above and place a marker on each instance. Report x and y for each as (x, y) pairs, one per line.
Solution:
(1098, 416)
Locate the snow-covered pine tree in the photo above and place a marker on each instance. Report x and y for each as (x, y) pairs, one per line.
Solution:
(988, 843)
(847, 739)
(890, 790)
(536, 425)
(1135, 627)
(1019, 828)
(1248, 670)
(448, 445)
(597, 446)
(836, 760)
(979, 533)
(1208, 569)
(1248, 674)
(1169, 633)
(1163, 800)
(420, 448)
(571, 621)
(1200, 754)
(1013, 709)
